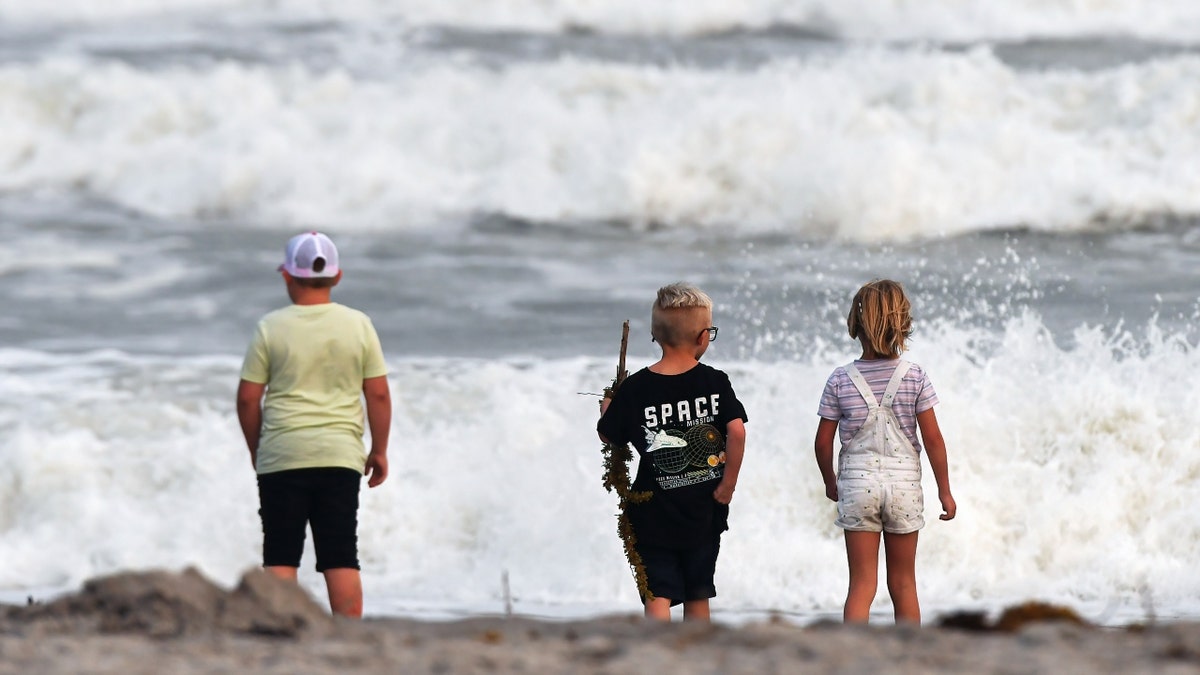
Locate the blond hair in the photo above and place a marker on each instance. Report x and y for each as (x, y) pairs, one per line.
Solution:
(674, 319)
(880, 318)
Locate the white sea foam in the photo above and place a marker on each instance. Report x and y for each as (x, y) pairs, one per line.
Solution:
(1075, 474)
(854, 19)
(866, 145)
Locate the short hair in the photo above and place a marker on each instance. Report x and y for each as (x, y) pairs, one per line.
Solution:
(880, 317)
(673, 314)
(315, 282)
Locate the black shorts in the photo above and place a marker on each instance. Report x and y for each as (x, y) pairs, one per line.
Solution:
(326, 499)
(681, 575)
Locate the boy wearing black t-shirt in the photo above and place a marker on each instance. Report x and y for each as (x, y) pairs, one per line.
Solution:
(688, 428)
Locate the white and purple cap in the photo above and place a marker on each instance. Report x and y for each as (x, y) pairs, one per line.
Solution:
(311, 255)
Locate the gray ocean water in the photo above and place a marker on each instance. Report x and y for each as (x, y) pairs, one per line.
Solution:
(494, 286)
(507, 186)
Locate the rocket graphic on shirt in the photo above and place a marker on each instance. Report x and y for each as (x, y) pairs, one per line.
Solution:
(661, 439)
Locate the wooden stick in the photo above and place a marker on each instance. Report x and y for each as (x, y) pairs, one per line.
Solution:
(616, 479)
(621, 372)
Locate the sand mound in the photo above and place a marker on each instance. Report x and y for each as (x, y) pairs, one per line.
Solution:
(155, 622)
(167, 604)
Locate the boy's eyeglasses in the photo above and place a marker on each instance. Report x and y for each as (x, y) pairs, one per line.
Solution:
(712, 333)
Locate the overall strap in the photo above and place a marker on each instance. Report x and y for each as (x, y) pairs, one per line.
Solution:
(894, 383)
(889, 394)
(864, 389)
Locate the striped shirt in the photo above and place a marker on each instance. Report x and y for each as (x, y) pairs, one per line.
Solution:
(842, 403)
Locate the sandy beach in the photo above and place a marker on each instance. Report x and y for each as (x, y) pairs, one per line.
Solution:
(182, 623)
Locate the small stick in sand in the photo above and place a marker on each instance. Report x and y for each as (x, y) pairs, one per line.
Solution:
(508, 608)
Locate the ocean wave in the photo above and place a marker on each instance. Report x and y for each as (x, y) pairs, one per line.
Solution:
(1075, 479)
(860, 20)
(868, 145)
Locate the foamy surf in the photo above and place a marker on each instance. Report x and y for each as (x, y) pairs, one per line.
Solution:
(945, 20)
(1075, 471)
(870, 145)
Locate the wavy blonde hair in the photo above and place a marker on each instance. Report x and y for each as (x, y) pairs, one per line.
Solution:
(881, 318)
(673, 318)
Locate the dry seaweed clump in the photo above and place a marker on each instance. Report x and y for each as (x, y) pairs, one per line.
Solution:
(1013, 618)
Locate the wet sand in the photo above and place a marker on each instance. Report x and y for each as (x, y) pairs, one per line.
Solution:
(181, 623)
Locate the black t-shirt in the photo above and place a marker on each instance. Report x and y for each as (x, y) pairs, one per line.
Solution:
(677, 424)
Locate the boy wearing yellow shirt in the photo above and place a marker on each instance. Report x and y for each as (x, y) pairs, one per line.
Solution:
(308, 370)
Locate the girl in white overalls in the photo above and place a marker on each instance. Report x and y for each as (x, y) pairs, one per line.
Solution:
(878, 402)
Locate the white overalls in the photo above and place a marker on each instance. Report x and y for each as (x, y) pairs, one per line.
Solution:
(879, 470)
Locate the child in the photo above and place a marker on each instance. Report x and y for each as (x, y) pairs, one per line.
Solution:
(315, 360)
(687, 426)
(878, 402)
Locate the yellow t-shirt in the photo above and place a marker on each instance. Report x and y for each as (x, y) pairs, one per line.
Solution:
(313, 359)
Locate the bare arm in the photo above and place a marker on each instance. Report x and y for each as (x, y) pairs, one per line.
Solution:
(935, 449)
(823, 445)
(249, 410)
(735, 448)
(379, 418)
(605, 402)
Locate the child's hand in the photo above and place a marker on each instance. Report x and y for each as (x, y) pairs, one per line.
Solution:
(724, 492)
(831, 491)
(948, 506)
(376, 469)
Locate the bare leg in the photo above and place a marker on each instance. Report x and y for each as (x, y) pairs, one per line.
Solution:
(282, 572)
(659, 609)
(862, 552)
(695, 610)
(901, 553)
(345, 591)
